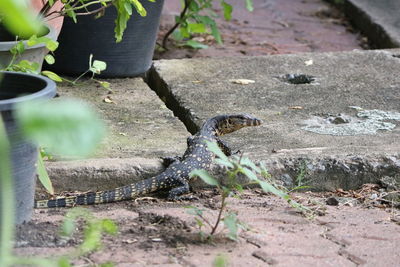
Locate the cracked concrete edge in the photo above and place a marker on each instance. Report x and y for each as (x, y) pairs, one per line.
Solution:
(320, 173)
(379, 33)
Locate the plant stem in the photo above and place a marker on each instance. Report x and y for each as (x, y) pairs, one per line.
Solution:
(219, 214)
(181, 16)
(87, 4)
(93, 11)
(6, 200)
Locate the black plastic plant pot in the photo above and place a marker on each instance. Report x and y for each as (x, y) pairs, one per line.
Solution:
(15, 88)
(35, 53)
(129, 58)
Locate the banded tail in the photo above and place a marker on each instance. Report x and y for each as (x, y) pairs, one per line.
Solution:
(126, 192)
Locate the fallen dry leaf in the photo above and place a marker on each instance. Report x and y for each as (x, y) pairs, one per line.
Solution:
(129, 241)
(243, 81)
(296, 107)
(309, 62)
(108, 99)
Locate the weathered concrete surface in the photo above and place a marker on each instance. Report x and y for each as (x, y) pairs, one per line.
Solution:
(141, 129)
(101, 174)
(378, 20)
(139, 123)
(200, 88)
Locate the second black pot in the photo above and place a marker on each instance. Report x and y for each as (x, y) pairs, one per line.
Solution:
(131, 57)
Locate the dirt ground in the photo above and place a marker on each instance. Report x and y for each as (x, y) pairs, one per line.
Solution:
(153, 231)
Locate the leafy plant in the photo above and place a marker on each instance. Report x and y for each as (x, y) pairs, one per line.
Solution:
(75, 8)
(301, 181)
(235, 166)
(25, 65)
(18, 19)
(16, 16)
(197, 17)
(63, 126)
(93, 230)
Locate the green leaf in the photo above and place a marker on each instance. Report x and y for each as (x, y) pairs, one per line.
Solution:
(223, 162)
(68, 227)
(44, 176)
(220, 261)
(249, 5)
(196, 45)
(196, 28)
(98, 66)
(205, 176)
(199, 222)
(231, 223)
(251, 175)
(63, 262)
(247, 162)
(18, 48)
(227, 10)
(214, 148)
(105, 85)
(17, 17)
(67, 127)
(193, 6)
(139, 8)
(128, 8)
(216, 34)
(267, 187)
(121, 20)
(51, 44)
(49, 59)
(52, 75)
(25, 66)
(184, 32)
(71, 13)
(109, 226)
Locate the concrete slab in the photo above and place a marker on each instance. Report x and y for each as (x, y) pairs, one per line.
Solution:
(378, 20)
(139, 123)
(141, 129)
(200, 88)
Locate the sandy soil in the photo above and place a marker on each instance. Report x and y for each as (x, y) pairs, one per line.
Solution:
(153, 231)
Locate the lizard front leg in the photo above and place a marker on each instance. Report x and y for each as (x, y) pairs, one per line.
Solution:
(224, 147)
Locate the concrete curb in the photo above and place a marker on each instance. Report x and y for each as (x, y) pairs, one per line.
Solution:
(100, 174)
(378, 20)
(321, 173)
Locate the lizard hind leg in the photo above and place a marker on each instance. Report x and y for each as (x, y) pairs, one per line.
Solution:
(177, 192)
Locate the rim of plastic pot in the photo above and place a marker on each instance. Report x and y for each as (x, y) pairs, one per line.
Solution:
(7, 45)
(48, 91)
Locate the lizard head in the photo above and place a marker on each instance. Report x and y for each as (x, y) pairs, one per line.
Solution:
(231, 123)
